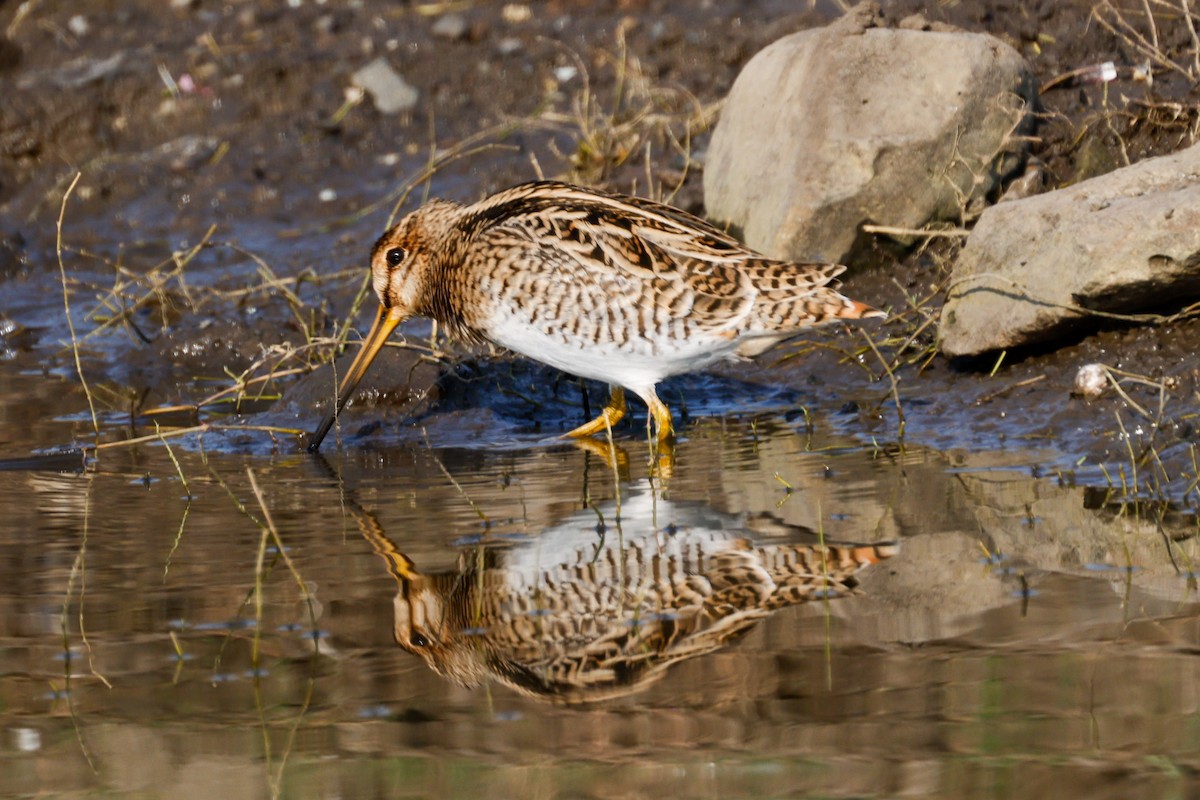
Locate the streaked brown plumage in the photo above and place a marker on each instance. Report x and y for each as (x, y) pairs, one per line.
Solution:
(576, 618)
(604, 286)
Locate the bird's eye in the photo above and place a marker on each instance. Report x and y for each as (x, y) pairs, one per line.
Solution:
(395, 256)
(416, 640)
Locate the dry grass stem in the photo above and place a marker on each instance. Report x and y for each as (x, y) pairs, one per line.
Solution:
(174, 460)
(1112, 20)
(1150, 23)
(199, 429)
(62, 272)
(1022, 292)
(636, 117)
(121, 304)
(176, 542)
(931, 233)
(990, 396)
(891, 373)
(1191, 27)
(478, 511)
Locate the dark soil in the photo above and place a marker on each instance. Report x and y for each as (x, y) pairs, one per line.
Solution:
(182, 116)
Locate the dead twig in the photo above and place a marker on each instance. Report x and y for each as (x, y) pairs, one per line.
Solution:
(62, 272)
(892, 230)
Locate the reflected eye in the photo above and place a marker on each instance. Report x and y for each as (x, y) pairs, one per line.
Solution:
(395, 256)
(416, 640)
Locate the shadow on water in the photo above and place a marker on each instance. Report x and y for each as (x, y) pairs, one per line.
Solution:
(701, 634)
(500, 402)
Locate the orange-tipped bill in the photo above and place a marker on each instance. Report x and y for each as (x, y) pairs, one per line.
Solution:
(385, 323)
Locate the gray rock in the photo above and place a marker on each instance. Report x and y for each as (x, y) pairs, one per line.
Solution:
(1122, 242)
(509, 45)
(827, 129)
(450, 26)
(74, 74)
(390, 92)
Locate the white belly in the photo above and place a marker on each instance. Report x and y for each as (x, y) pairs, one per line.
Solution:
(636, 364)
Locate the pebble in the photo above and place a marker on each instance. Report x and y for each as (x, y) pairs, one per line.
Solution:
(390, 92)
(450, 26)
(516, 13)
(509, 45)
(1090, 381)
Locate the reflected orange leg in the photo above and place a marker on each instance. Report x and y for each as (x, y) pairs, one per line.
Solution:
(664, 436)
(613, 456)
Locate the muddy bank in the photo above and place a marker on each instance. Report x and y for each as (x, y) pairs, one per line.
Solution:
(236, 127)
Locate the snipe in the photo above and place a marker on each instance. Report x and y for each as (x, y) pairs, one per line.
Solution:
(603, 286)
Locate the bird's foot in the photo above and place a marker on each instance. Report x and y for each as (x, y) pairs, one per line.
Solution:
(662, 445)
(614, 412)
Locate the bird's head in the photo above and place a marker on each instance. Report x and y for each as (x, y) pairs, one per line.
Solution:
(425, 625)
(401, 258)
(401, 263)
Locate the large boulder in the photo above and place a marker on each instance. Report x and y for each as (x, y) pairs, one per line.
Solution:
(1035, 268)
(828, 129)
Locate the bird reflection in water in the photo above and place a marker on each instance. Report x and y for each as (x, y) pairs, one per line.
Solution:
(586, 612)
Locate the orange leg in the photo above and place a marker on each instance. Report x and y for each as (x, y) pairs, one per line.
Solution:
(664, 431)
(663, 444)
(614, 412)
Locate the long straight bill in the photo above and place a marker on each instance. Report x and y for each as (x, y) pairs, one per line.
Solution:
(385, 322)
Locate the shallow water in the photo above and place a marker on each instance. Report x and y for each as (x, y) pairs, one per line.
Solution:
(1017, 641)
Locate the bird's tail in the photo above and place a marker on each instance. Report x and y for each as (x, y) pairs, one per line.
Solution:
(857, 310)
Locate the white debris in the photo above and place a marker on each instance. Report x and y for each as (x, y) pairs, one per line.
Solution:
(509, 45)
(450, 26)
(515, 13)
(391, 93)
(1090, 381)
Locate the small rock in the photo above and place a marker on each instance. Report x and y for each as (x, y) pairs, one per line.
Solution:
(78, 25)
(509, 45)
(914, 22)
(1090, 381)
(188, 153)
(516, 13)
(451, 26)
(326, 25)
(74, 74)
(390, 92)
(1031, 182)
